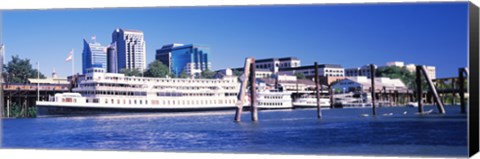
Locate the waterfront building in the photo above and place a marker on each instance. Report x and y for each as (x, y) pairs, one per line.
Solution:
(53, 80)
(396, 63)
(93, 54)
(259, 72)
(130, 49)
(410, 67)
(324, 70)
(292, 84)
(431, 71)
(275, 64)
(328, 80)
(363, 84)
(191, 59)
(49, 81)
(359, 71)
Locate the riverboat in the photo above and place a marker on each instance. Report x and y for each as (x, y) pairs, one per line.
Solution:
(101, 92)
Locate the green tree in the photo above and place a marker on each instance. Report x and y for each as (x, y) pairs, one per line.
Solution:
(300, 75)
(184, 75)
(407, 77)
(208, 74)
(157, 69)
(237, 73)
(131, 72)
(19, 70)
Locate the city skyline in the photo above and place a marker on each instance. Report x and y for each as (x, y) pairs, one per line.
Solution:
(349, 35)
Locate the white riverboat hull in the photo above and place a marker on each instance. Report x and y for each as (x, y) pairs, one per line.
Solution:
(272, 99)
(311, 103)
(59, 108)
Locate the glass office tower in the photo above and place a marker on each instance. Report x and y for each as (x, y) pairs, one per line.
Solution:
(94, 54)
(191, 59)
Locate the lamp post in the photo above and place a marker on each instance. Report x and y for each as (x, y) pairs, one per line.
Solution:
(38, 82)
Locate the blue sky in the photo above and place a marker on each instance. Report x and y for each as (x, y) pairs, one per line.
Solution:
(348, 34)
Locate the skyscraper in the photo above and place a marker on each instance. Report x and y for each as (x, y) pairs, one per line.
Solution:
(191, 59)
(130, 49)
(112, 58)
(93, 55)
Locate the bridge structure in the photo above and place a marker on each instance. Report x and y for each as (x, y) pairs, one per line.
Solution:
(19, 99)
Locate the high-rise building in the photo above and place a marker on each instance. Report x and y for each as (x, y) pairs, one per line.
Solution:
(130, 49)
(112, 58)
(93, 55)
(191, 59)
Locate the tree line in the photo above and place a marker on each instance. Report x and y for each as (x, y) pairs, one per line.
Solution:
(19, 70)
(158, 69)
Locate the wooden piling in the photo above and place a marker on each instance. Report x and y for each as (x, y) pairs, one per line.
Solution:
(276, 82)
(8, 107)
(390, 98)
(372, 77)
(243, 87)
(395, 97)
(453, 92)
(419, 88)
(317, 92)
(330, 93)
(296, 84)
(25, 105)
(2, 110)
(253, 91)
(1, 81)
(435, 95)
(461, 90)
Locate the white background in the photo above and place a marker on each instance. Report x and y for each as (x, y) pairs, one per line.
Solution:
(78, 154)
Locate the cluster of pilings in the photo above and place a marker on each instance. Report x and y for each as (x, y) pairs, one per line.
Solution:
(432, 90)
(394, 97)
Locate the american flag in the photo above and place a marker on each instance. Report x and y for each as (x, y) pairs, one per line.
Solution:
(70, 56)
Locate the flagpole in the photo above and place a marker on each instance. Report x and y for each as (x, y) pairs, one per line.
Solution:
(73, 63)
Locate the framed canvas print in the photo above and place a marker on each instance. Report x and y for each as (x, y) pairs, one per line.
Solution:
(290, 79)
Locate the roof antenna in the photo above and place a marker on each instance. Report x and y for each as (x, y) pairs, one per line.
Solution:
(94, 38)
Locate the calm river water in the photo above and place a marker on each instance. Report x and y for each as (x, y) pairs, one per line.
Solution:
(298, 131)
